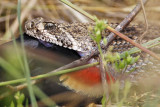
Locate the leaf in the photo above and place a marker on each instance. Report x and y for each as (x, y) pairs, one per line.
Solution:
(103, 101)
(12, 104)
(135, 59)
(129, 60)
(122, 64)
(105, 41)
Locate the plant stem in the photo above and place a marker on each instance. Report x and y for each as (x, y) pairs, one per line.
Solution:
(47, 75)
(25, 62)
(78, 9)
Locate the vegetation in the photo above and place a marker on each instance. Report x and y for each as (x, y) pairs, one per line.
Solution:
(17, 67)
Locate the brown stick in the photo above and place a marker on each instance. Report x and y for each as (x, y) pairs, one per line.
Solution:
(134, 43)
(125, 22)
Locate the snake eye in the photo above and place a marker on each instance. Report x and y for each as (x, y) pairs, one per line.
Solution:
(50, 26)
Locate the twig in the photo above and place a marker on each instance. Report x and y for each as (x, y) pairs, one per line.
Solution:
(76, 63)
(134, 43)
(16, 88)
(125, 22)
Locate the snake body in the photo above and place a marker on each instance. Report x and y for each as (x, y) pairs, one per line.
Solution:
(76, 36)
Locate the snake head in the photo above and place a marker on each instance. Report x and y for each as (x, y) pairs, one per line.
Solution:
(38, 26)
(72, 36)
